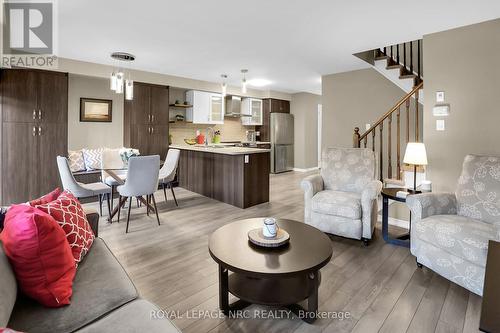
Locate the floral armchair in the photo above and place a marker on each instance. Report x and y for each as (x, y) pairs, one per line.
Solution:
(450, 232)
(342, 200)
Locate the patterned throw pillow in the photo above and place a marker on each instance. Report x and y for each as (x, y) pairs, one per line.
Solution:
(49, 197)
(68, 212)
(92, 158)
(75, 159)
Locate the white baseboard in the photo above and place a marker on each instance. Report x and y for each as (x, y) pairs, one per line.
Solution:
(305, 170)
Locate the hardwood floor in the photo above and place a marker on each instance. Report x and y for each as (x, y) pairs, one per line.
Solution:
(380, 285)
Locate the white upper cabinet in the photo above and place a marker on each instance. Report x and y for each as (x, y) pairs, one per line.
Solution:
(208, 108)
(251, 111)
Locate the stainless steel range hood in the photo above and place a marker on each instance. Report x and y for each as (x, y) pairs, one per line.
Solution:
(233, 106)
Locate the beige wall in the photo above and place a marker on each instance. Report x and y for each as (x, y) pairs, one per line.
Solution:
(304, 107)
(353, 99)
(464, 63)
(87, 134)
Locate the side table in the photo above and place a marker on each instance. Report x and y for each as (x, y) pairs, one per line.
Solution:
(389, 193)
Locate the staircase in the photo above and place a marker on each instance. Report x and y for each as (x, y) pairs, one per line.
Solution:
(401, 124)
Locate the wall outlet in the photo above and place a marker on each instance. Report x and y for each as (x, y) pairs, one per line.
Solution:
(440, 125)
(367, 126)
(439, 96)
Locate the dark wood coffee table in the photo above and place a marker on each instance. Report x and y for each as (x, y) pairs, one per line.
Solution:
(490, 309)
(270, 276)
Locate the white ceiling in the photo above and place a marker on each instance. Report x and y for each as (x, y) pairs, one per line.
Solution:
(291, 43)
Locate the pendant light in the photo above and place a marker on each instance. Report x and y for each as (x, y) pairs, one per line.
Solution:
(244, 81)
(224, 85)
(118, 83)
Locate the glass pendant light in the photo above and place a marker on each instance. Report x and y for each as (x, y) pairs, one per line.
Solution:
(244, 81)
(119, 83)
(224, 85)
(113, 81)
(129, 90)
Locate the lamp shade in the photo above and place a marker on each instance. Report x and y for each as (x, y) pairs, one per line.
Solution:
(415, 154)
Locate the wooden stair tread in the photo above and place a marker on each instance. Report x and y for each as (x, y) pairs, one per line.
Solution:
(393, 66)
(407, 76)
(382, 57)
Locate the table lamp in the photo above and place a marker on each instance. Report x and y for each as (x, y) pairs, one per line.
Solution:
(415, 155)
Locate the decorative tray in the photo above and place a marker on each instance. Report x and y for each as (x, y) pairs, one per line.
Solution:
(256, 237)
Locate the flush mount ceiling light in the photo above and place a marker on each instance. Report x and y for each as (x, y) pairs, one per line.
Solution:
(119, 78)
(259, 82)
(244, 81)
(224, 85)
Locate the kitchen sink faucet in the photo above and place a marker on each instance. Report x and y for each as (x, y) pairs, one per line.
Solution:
(211, 129)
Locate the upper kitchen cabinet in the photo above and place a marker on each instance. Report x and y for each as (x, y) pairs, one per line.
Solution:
(208, 108)
(251, 111)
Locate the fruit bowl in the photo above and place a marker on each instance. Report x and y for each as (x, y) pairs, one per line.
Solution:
(190, 142)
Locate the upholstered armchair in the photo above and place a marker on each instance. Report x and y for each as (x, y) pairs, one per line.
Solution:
(342, 199)
(450, 231)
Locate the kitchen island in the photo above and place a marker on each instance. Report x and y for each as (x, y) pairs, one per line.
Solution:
(238, 176)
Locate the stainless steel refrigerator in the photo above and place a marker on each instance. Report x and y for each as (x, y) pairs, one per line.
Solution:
(281, 142)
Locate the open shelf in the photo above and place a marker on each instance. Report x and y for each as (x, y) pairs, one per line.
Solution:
(181, 106)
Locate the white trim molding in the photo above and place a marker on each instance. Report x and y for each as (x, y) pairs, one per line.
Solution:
(305, 170)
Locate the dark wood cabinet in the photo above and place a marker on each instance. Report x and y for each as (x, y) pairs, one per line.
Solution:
(146, 119)
(270, 105)
(34, 107)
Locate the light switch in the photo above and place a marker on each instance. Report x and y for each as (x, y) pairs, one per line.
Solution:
(440, 125)
(367, 126)
(439, 96)
(247, 159)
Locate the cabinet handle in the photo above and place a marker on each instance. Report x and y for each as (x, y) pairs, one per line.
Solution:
(39, 130)
(39, 114)
(34, 131)
(152, 118)
(152, 130)
(34, 114)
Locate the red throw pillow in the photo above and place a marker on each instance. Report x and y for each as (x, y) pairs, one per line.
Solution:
(49, 197)
(40, 255)
(68, 212)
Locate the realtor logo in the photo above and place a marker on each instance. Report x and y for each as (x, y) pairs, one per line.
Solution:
(28, 34)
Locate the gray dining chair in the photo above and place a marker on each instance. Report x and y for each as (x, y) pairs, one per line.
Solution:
(168, 171)
(81, 190)
(142, 180)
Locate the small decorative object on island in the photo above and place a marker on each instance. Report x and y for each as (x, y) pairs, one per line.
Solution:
(216, 138)
(415, 155)
(190, 142)
(127, 153)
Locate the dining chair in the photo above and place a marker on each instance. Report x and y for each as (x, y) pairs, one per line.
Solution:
(80, 190)
(111, 159)
(142, 180)
(168, 171)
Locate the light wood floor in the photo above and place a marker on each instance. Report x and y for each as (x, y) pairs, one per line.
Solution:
(379, 285)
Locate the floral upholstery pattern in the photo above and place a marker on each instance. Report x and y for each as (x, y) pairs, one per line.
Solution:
(337, 203)
(347, 169)
(450, 232)
(342, 200)
(458, 235)
(453, 268)
(478, 190)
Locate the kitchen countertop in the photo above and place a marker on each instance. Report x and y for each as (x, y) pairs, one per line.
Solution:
(224, 149)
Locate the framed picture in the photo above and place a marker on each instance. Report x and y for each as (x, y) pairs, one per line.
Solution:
(96, 110)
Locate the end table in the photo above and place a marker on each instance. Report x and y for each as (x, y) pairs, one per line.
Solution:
(389, 193)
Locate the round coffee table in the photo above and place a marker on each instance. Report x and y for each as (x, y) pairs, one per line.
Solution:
(280, 276)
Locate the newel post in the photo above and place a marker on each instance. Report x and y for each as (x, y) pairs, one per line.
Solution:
(356, 137)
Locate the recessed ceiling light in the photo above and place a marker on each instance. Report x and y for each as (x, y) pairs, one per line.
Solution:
(259, 82)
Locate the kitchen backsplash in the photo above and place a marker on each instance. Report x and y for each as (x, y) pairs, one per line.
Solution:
(231, 130)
